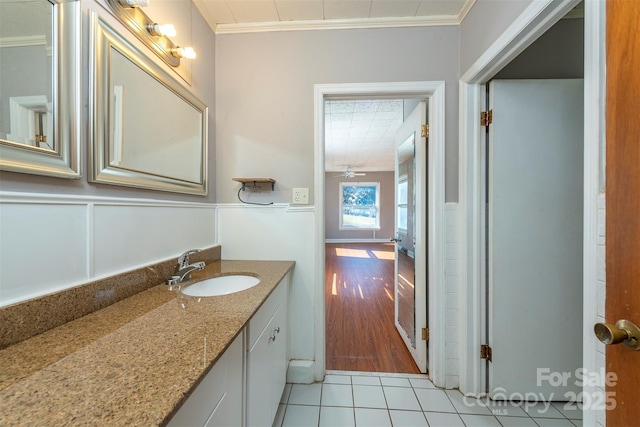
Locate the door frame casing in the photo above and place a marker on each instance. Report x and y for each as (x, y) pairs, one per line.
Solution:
(434, 91)
(530, 25)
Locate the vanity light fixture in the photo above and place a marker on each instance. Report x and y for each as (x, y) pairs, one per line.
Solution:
(166, 30)
(154, 35)
(183, 52)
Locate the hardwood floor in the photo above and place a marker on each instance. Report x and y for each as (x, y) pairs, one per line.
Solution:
(360, 329)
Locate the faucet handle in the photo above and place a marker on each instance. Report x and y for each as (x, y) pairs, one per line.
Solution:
(183, 260)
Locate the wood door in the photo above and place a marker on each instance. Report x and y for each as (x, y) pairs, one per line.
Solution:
(535, 234)
(623, 201)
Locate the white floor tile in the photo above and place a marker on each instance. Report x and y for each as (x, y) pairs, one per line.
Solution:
(420, 383)
(337, 379)
(368, 396)
(440, 419)
(401, 398)
(395, 382)
(331, 416)
(571, 410)
(408, 419)
(305, 394)
(337, 395)
(473, 420)
(553, 422)
(467, 405)
(541, 410)
(362, 380)
(301, 416)
(286, 393)
(366, 417)
(517, 422)
(434, 400)
(279, 415)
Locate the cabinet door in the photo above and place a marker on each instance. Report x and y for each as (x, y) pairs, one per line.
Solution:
(267, 370)
(218, 398)
(278, 355)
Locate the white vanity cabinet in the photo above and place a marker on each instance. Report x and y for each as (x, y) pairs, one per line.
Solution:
(217, 401)
(252, 371)
(267, 357)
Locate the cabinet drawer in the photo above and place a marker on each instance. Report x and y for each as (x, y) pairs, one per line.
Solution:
(266, 312)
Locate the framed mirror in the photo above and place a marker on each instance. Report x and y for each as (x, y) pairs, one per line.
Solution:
(40, 87)
(148, 130)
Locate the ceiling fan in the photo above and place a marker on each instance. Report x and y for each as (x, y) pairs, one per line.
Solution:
(348, 173)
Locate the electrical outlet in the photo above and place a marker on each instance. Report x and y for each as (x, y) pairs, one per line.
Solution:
(300, 196)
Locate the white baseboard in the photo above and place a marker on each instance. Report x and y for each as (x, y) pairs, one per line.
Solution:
(356, 240)
(301, 372)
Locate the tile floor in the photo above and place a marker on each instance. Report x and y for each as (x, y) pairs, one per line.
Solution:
(365, 399)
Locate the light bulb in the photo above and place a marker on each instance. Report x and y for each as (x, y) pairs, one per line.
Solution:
(167, 30)
(183, 52)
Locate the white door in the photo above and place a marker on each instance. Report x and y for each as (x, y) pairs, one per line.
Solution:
(411, 242)
(535, 238)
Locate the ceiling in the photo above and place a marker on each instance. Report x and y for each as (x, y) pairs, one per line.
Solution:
(361, 134)
(228, 16)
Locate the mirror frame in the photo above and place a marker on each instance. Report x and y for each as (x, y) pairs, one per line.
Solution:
(103, 38)
(64, 161)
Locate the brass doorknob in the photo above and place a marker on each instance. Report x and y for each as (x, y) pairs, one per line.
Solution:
(623, 331)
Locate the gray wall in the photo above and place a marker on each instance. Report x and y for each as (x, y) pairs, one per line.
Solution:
(557, 54)
(265, 89)
(387, 206)
(484, 23)
(203, 76)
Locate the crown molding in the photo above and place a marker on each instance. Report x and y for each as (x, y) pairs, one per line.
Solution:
(337, 24)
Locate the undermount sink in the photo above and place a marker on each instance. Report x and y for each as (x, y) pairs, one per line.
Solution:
(222, 285)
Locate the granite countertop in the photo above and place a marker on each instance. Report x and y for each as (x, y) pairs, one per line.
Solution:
(134, 362)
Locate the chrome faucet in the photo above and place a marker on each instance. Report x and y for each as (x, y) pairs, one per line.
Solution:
(184, 268)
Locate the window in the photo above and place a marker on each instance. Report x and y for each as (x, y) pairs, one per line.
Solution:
(360, 206)
(403, 187)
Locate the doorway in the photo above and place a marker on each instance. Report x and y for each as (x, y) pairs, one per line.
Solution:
(374, 160)
(533, 22)
(434, 91)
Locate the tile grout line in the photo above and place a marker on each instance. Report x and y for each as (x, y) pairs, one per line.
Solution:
(413, 388)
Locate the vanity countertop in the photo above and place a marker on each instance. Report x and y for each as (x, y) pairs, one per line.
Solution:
(134, 362)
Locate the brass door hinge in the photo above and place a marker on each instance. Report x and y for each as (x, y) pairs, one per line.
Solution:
(425, 131)
(486, 118)
(486, 352)
(425, 334)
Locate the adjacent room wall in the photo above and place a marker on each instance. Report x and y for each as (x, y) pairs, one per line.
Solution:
(557, 54)
(387, 207)
(265, 89)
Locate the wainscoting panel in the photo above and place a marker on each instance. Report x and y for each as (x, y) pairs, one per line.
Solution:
(43, 247)
(53, 242)
(127, 236)
(278, 233)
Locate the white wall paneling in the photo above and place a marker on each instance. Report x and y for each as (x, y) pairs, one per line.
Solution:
(278, 232)
(50, 243)
(127, 236)
(451, 283)
(43, 248)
